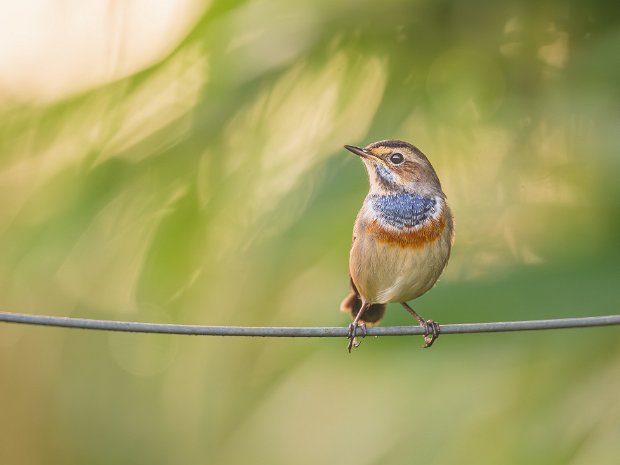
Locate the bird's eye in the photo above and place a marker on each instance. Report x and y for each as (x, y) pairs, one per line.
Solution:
(397, 158)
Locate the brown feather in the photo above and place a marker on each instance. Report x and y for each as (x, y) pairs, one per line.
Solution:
(409, 238)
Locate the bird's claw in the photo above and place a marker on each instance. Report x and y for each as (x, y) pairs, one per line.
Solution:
(353, 342)
(431, 332)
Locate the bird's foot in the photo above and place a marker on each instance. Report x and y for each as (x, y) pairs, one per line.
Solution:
(431, 332)
(353, 327)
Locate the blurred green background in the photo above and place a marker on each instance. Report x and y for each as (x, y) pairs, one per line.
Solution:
(182, 162)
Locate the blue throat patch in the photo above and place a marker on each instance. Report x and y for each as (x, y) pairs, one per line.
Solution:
(403, 210)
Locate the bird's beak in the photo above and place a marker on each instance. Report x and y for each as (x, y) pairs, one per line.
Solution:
(360, 152)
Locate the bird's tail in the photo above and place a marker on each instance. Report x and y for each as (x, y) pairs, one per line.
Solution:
(352, 304)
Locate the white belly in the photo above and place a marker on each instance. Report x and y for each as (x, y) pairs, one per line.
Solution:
(384, 272)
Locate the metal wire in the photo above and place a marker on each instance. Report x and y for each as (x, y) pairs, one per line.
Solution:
(196, 330)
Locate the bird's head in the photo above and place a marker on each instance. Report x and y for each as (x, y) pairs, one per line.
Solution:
(396, 166)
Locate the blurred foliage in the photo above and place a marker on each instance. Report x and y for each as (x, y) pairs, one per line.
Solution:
(211, 188)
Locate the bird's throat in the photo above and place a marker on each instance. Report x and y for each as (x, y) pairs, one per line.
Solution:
(384, 178)
(404, 210)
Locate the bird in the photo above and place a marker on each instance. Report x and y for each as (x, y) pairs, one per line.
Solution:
(402, 236)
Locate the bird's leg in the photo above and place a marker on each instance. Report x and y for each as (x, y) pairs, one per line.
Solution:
(353, 342)
(431, 328)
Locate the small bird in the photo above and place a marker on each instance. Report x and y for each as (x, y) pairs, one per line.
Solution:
(402, 236)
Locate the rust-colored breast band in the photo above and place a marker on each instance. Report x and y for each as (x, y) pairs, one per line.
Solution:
(428, 233)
